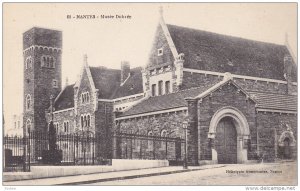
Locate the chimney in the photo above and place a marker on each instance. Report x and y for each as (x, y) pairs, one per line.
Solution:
(125, 71)
(288, 63)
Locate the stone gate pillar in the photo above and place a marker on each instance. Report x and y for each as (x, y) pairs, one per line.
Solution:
(192, 133)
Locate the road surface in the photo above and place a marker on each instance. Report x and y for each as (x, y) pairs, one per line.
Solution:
(235, 174)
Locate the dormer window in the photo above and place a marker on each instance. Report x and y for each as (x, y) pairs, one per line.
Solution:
(160, 52)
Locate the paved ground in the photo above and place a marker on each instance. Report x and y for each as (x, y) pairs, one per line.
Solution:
(100, 177)
(236, 174)
(261, 174)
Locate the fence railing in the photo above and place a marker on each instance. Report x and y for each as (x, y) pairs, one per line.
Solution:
(88, 148)
(139, 146)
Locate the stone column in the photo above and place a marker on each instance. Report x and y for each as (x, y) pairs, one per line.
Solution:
(192, 133)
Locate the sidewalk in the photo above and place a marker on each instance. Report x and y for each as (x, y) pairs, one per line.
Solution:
(108, 176)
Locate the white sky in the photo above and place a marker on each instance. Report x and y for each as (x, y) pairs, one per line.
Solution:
(109, 41)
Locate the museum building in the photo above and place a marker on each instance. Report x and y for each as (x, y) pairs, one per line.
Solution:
(238, 96)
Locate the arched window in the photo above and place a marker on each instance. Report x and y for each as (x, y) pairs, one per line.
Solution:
(87, 97)
(28, 125)
(150, 141)
(85, 122)
(28, 102)
(47, 62)
(66, 126)
(51, 63)
(88, 120)
(82, 122)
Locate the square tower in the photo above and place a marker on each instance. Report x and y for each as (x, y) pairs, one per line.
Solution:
(42, 50)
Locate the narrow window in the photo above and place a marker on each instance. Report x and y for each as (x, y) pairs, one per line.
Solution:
(28, 102)
(153, 89)
(160, 52)
(88, 120)
(160, 87)
(82, 122)
(54, 83)
(167, 87)
(28, 125)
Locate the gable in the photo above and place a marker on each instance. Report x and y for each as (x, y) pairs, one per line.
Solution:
(160, 41)
(220, 53)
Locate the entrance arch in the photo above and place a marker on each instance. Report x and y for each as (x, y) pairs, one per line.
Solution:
(230, 123)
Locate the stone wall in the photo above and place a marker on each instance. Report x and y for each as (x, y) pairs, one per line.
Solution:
(139, 149)
(270, 127)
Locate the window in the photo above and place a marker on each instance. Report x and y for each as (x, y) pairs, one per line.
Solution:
(160, 52)
(167, 87)
(28, 62)
(28, 125)
(85, 97)
(56, 126)
(153, 89)
(66, 126)
(160, 87)
(47, 61)
(15, 125)
(54, 83)
(28, 102)
(85, 121)
(150, 141)
(18, 124)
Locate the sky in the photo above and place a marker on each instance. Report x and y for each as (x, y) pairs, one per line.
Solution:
(107, 42)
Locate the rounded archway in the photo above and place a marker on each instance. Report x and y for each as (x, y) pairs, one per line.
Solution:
(230, 132)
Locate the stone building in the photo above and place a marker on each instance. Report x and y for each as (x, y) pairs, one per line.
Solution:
(238, 96)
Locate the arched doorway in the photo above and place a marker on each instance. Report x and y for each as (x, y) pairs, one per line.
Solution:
(226, 141)
(229, 132)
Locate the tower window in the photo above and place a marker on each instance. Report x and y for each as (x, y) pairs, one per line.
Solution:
(55, 83)
(160, 52)
(28, 102)
(160, 87)
(153, 89)
(28, 62)
(167, 87)
(47, 61)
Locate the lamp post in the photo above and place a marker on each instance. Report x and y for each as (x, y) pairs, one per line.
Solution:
(185, 127)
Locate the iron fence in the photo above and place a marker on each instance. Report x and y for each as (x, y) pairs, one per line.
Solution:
(139, 146)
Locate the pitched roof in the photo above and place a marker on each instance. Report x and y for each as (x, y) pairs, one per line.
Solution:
(133, 85)
(65, 99)
(105, 80)
(221, 53)
(275, 101)
(164, 102)
(109, 84)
